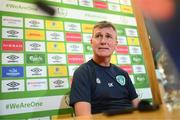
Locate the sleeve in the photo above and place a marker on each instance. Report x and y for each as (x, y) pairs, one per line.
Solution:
(130, 87)
(81, 86)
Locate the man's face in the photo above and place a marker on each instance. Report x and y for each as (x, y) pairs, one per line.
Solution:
(104, 41)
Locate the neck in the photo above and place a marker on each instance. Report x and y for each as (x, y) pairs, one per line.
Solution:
(102, 61)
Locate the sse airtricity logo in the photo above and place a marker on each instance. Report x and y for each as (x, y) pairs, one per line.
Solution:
(121, 80)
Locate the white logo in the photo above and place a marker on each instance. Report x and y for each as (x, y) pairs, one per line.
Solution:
(12, 21)
(36, 71)
(75, 27)
(56, 59)
(98, 81)
(110, 85)
(34, 23)
(54, 36)
(12, 33)
(58, 83)
(35, 46)
(36, 84)
(74, 48)
(12, 85)
(12, 58)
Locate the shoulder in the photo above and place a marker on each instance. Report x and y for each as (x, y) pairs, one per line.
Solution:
(118, 69)
(85, 67)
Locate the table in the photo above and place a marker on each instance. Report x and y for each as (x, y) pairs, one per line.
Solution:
(160, 114)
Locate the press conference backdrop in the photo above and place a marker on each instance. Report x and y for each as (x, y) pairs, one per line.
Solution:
(39, 53)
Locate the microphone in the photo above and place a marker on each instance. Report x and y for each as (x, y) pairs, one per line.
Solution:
(43, 6)
(145, 105)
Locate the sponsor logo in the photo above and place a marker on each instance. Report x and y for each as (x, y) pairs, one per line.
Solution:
(75, 59)
(36, 84)
(12, 85)
(113, 7)
(36, 71)
(125, 2)
(57, 71)
(12, 72)
(126, 9)
(55, 47)
(73, 37)
(139, 69)
(12, 45)
(34, 34)
(12, 21)
(88, 48)
(87, 27)
(71, 69)
(87, 3)
(35, 46)
(133, 41)
(58, 83)
(74, 48)
(35, 58)
(135, 50)
(122, 40)
(124, 59)
(140, 78)
(72, 27)
(127, 68)
(56, 59)
(100, 4)
(54, 25)
(74, 2)
(34, 23)
(122, 49)
(87, 37)
(12, 33)
(54, 36)
(131, 32)
(12, 58)
(137, 59)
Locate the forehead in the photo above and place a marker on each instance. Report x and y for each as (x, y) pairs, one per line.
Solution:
(109, 30)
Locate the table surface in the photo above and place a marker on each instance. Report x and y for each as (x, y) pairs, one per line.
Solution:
(160, 114)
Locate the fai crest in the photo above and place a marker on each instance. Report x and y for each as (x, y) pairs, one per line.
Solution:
(121, 80)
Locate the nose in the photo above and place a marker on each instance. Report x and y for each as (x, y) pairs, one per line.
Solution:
(104, 40)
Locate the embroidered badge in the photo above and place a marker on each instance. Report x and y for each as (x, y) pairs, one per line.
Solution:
(121, 80)
(98, 81)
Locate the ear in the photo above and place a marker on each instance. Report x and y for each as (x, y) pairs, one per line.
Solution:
(91, 41)
(116, 42)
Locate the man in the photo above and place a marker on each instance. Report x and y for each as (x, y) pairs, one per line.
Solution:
(99, 85)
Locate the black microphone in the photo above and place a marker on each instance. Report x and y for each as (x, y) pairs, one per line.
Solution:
(43, 6)
(145, 105)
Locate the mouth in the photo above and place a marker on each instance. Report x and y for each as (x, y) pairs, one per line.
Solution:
(103, 48)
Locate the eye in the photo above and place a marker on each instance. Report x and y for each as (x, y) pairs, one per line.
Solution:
(108, 36)
(98, 36)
